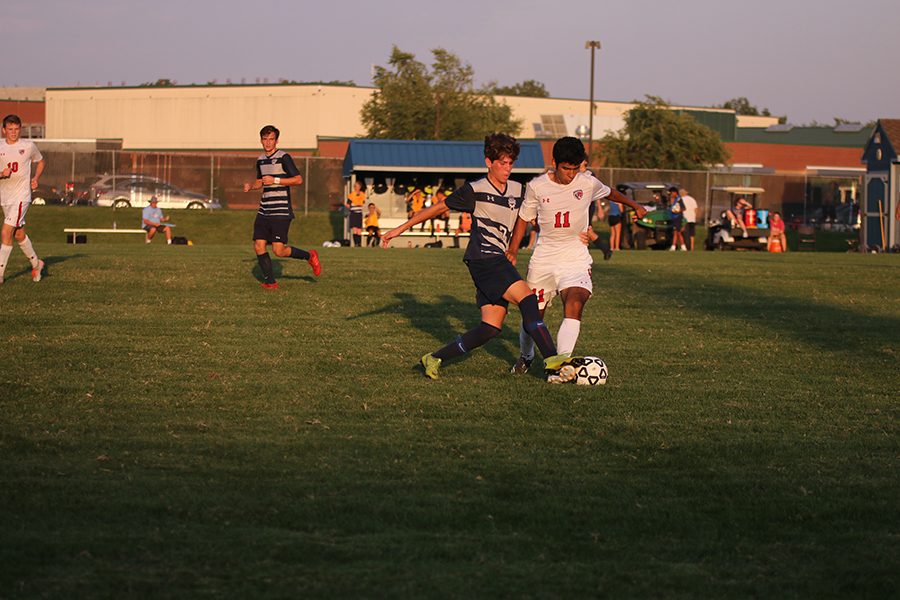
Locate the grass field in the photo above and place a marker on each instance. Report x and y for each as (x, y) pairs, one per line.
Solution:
(170, 429)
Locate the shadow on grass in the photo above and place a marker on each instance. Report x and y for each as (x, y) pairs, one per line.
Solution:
(829, 327)
(438, 319)
(278, 271)
(49, 261)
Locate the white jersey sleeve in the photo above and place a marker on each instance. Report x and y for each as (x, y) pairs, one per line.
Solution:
(601, 190)
(530, 205)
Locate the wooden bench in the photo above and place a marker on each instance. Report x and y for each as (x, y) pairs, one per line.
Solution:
(76, 230)
(448, 237)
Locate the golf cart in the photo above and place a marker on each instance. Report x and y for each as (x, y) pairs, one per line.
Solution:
(655, 228)
(725, 234)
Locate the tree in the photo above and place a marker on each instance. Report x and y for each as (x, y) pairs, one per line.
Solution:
(655, 137)
(742, 106)
(338, 82)
(415, 103)
(529, 88)
(160, 83)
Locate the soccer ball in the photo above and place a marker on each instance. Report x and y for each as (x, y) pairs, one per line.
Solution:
(590, 370)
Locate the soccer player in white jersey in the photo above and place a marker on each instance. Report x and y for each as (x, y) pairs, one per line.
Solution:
(16, 183)
(561, 263)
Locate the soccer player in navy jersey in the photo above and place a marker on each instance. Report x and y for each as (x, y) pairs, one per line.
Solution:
(494, 203)
(275, 174)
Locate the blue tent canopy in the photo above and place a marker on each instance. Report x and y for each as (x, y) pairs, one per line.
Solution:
(413, 156)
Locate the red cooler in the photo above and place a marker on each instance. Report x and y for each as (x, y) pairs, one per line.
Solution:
(750, 218)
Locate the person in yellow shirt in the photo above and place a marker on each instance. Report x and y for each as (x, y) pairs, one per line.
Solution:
(415, 199)
(371, 222)
(355, 202)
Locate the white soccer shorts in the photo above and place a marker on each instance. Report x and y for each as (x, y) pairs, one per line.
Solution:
(548, 280)
(14, 213)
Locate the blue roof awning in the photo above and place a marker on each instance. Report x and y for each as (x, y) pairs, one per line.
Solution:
(413, 156)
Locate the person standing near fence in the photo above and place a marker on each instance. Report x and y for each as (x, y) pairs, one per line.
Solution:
(355, 202)
(275, 174)
(690, 218)
(16, 183)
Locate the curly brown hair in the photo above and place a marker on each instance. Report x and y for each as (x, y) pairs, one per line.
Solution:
(497, 145)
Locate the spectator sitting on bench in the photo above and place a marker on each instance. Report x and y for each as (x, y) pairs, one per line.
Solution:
(152, 219)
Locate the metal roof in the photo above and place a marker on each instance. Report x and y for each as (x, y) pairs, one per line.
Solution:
(415, 156)
(803, 136)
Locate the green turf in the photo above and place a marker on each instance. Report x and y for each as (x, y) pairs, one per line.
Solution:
(170, 429)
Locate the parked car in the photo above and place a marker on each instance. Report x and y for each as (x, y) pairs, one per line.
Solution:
(46, 194)
(92, 187)
(136, 192)
(655, 228)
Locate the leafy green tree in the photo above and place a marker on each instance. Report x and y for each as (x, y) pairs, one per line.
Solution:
(529, 88)
(414, 102)
(742, 106)
(655, 137)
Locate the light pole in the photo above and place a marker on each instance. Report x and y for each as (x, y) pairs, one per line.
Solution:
(593, 45)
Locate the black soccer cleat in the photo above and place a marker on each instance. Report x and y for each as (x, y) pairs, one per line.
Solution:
(522, 365)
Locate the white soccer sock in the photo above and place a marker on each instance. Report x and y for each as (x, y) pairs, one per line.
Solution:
(5, 251)
(526, 344)
(29, 252)
(567, 336)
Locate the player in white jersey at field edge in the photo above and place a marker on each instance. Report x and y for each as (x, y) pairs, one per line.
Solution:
(16, 183)
(561, 263)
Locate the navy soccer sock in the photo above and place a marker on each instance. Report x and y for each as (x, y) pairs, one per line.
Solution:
(265, 264)
(298, 253)
(534, 325)
(468, 341)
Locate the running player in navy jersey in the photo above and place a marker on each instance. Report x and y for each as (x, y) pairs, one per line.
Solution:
(275, 174)
(494, 203)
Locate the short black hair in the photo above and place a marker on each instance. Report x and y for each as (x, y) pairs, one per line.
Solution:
(269, 129)
(673, 189)
(14, 119)
(498, 144)
(569, 150)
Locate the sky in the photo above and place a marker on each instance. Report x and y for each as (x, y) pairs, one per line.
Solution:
(809, 60)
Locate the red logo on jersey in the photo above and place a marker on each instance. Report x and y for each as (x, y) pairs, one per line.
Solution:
(545, 199)
(21, 150)
(578, 194)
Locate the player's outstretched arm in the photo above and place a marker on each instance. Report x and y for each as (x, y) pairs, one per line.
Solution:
(423, 215)
(617, 196)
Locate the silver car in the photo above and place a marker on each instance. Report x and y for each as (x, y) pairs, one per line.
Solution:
(137, 193)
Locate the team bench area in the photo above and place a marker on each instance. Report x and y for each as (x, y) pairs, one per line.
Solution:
(73, 237)
(449, 239)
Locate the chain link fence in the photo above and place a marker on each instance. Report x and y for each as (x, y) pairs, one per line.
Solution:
(819, 200)
(215, 175)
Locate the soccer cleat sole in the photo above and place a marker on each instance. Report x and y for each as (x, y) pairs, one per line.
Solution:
(564, 375)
